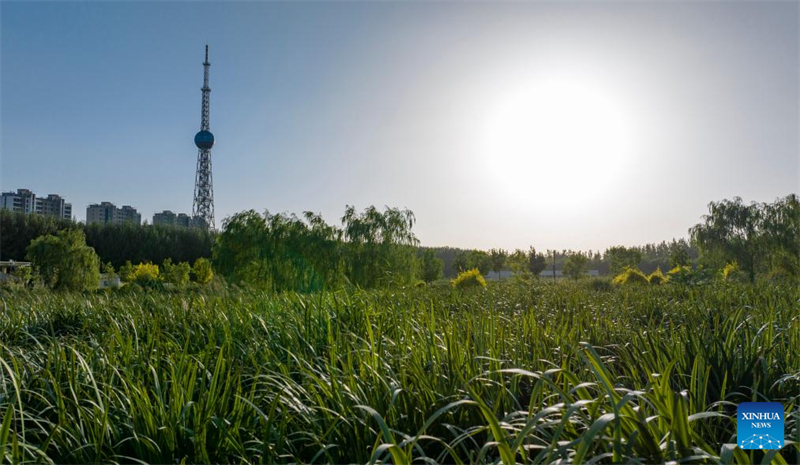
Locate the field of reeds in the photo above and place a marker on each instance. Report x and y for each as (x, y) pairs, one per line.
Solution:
(531, 373)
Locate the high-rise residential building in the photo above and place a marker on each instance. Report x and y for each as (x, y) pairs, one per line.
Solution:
(165, 218)
(168, 218)
(22, 201)
(54, 205)
(25, 201)
(183, 220)
(108, 213)
(128, 214)
(100, 213)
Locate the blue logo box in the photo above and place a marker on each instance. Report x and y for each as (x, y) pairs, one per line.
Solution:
(759, 425)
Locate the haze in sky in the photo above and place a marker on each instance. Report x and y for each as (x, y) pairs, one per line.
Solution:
(562, 125)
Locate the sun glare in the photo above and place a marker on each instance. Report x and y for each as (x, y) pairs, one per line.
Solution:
(562, 139)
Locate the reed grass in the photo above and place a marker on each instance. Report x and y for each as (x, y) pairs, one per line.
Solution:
(530, 373)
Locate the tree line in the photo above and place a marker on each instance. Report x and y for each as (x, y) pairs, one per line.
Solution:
(113, 243)
(374, 248)
(284, 252)
(756, 239)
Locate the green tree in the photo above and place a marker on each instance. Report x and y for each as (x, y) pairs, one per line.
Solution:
(620, 257)
(115, 243)
(782, 235)
(460, 261)
(478, 259)
(575, 266)
(679, 257)
(517, 261)
(146, 274)
(64, 261)
(380, 246)
(126, 272)
(432, 267)
(732, 232)
(287, 253)
(176, 274)
(108, 270)
(537, 262)
(201, 271)
(497, 260)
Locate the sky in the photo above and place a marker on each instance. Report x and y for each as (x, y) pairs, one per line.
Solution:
(499, 124)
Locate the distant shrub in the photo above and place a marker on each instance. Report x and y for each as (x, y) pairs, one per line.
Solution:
(630, 276)
(732, 272)
(687, 275)
(145, 274)
(201, 271)
(468, 279)
(126, 272)
(24, 274)
(176, 274)
(657, 277)
(681, 274)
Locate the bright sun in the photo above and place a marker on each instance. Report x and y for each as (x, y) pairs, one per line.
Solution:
(562, 139)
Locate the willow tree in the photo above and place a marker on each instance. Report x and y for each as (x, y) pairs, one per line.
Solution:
(732, 232)
(64, 261)
(279, 252)
(380, 246)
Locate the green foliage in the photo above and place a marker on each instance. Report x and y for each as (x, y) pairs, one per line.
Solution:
(599, 284)
(119, 243)
(537, 262)
(126, 272)
(679, 257)
(517, 261)
(432, 267)
(145, 274)
(680, 273)
(732, 231)
(782, 236)
(657, 277)
(175, 274)
(286, 253)
(469, 279)
(759, 237)
(379, 247)
(201, 271)
(115, 243)
(543, 373)
(480, 260)
(631, 277)
(64, 261)
(108, 269)
(576, 265)
(732, 272)
(279, 252)
(497, 260)
(19, 229)
(24, 274)
(460, 261)
(621, 258)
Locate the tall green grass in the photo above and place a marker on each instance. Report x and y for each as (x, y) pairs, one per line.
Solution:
(515, 373)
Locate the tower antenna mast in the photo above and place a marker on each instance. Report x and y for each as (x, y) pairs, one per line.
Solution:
(203, 206)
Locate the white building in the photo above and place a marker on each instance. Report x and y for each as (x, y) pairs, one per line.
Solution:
(25, 201)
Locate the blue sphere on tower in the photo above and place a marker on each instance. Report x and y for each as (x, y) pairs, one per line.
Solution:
(204, 140)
